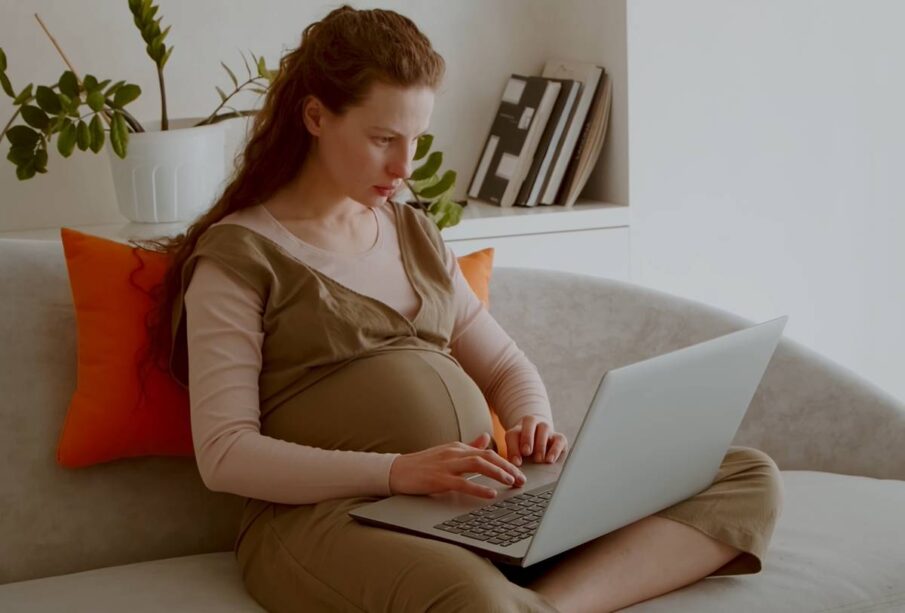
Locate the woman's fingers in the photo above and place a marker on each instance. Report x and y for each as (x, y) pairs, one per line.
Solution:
(490, 463)
(541, 436)
(556, 448)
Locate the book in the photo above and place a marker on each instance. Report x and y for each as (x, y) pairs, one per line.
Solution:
(523, 112)
(529, 193)
(586, 154)
(589, 75)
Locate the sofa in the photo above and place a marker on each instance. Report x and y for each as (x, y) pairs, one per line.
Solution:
(144, 534)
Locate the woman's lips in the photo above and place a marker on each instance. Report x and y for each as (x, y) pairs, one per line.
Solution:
(384, 191)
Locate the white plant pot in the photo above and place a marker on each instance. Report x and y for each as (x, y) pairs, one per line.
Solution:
(170, 175)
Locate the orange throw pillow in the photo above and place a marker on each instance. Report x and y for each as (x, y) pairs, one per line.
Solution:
(108, 418)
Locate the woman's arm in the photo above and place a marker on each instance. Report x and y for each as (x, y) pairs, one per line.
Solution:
(508, 379)
(223, 329)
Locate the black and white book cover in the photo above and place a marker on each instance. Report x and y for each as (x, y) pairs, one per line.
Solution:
(503, 164)
(529, 194)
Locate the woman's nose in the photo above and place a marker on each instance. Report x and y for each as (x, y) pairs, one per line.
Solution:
(402, 168)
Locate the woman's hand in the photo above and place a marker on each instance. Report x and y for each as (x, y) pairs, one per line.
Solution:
(535, 438)
(439, 469)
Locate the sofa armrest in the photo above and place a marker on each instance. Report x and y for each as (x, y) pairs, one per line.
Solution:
(808, 413)
(811, 413)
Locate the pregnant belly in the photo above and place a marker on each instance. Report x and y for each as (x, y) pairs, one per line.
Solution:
(391, 402)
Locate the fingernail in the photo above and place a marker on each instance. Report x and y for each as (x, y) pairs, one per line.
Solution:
(518, 461)
(510, 479)
(526, 450)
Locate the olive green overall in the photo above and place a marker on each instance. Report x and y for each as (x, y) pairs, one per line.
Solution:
(342, 370)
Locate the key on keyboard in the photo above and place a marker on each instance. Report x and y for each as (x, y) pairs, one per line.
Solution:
(502, 523)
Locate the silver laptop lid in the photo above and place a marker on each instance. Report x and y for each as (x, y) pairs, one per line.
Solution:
(662, 427)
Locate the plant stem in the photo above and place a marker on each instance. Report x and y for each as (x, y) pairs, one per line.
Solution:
(68, 63)
(164, 121)
(136, 127)
(210, 121)
(209, 118)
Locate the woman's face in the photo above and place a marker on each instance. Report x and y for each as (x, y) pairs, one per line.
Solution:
(373, 144)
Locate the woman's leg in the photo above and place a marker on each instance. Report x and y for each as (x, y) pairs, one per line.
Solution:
(724, 530)
(316, 558)
(639, 561)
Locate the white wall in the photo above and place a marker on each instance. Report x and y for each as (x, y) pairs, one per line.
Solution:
(482, 41)
(767, 146)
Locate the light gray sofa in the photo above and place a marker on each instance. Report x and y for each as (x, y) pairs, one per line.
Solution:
(146, 535)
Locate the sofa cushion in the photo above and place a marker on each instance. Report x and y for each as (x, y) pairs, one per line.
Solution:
(837, 547)
(208, 582)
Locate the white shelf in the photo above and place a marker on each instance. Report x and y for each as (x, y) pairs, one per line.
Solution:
(485, 220)
(479, 220)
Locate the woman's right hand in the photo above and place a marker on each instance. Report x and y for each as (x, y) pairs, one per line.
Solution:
(439, 469)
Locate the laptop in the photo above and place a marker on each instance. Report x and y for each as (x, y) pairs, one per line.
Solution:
(655, 434)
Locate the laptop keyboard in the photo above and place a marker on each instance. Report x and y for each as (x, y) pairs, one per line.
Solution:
(502, 523)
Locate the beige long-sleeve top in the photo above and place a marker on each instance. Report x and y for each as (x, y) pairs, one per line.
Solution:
(224, 336)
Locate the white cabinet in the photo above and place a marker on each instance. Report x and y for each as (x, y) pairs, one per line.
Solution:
(590, 238)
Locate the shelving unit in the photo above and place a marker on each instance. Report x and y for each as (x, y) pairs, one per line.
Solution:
(589, 238)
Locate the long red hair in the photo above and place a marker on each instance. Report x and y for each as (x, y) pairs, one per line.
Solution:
(338, 60)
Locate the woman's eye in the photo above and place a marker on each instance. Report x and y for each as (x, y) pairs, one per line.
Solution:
(384, 139)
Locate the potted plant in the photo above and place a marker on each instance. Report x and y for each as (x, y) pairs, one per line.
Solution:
(174, 168)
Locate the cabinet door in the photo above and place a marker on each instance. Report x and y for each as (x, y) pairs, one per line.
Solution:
(602, 252)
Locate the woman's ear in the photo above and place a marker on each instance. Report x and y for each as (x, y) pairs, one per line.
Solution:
(312, 115)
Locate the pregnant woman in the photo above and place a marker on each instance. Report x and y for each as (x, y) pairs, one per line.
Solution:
(334, 354)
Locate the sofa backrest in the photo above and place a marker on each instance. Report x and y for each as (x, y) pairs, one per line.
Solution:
(55, 520)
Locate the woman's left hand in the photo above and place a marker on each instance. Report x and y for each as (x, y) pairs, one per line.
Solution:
(534, 438)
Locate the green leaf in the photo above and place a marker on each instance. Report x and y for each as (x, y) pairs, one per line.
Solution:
(112, 89)
(163, 34)
(231, 75)
(18, 155)
(57, 124)
(430, 167)
(22, 136)
(118, 135)
(26, 171)
(35, 117)
(258, 90)
(97, 133)
(90, 83)
(441, 187)
(156, 50)
(69, 105)
(83, 136)
(96, 100)
(7, 86)
(25, 94)
(247, 67)
(223, 96)
(2, 60)
(262, 68)
(69, 85)
(126, 94)
(48, 100)
(424, 145)
(166, 56)
(41, 160)
(66, 141)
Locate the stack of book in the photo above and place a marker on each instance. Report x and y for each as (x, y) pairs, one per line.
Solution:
(546, 136)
